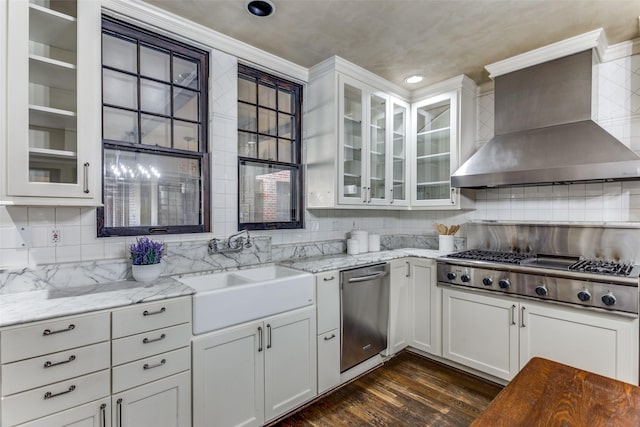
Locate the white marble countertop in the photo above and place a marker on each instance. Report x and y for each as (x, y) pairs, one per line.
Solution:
(339, 261)
(23, 307)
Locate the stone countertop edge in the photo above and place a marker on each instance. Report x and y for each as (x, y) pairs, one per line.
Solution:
(33, 306)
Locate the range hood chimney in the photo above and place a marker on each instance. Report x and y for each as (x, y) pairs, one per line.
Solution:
(545, 132)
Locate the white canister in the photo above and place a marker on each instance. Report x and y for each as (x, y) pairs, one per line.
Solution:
(362, 237)
(445, 243)
(374, 242)
(352, 247)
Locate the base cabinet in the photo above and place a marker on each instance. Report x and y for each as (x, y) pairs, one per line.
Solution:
(398, 306)
(424, 306)
(498, 336)
(250, 374)
(94, 414)
(328, 329)
(162, 403)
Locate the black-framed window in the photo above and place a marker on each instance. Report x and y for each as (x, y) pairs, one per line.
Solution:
(154, 134)
(270, 190)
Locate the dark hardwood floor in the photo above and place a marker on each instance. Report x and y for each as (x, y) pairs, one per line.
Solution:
(408, 390)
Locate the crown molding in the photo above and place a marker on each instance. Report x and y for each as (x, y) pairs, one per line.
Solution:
(454, 83)
(595, 39)
(170, 24)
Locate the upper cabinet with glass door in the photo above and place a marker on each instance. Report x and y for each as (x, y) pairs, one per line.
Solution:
(53, 125)
(360, 159)
(443, 131)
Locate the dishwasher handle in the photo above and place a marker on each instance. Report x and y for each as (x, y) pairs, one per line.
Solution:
(367, 277)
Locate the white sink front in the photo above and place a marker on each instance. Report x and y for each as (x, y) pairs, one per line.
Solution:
(230, 298)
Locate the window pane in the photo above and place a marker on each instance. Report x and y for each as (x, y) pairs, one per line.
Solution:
(185, 135)
(267, 148)
(156, 131)
(285, 126)
(185, 104)
(154, 63)
(185, 72)
(119, 53)
(119, 89)
(267, 95)
(148, 189)
(247, 89)
(285, 101)
(119, 125)
(284, 150)
(267, 121)
(247, 145)
(267, 193)
(155, 97)
(247, 119)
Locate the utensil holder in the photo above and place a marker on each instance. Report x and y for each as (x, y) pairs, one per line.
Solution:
(445, 243)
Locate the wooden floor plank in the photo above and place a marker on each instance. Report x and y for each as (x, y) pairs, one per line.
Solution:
(408, 390)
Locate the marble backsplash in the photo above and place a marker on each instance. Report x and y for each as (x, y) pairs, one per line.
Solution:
(190, 257)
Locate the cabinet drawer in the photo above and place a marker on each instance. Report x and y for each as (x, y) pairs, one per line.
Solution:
(32, 404)
(49, 337)
(150, 369)
(146, 317)
(39, 371)
(149, 343)
(328, 301)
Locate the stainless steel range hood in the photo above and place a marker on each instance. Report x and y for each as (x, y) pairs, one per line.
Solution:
(544, 131)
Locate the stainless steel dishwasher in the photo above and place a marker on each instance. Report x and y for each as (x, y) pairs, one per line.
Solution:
(364, 313)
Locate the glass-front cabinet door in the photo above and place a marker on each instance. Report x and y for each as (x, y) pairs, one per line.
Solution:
(398, 153)
(53, 126)
(353, 160)
(377, 187)
(435, 150)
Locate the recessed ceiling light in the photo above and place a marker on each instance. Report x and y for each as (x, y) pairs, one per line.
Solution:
(416, 78)
(261, 8)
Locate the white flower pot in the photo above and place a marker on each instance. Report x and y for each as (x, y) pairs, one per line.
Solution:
(147, 273)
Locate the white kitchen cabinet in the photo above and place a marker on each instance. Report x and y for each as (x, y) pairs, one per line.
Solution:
(498, 335)
(398, 305)
(252, 373)
(424, 300)
(443, 130)
(162, 403)
(598, 342)
(328, 329)
(357, 146)
(93, 414)
(53, 125)
(481, 332)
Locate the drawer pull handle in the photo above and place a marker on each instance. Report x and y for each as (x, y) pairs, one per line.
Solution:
(50, 364)
(147, 366)
(147, 340)
(46, 332)
(49, 395)
(103, 415)
(330, 338)
(328, 279)
(119, 411)
(151, 313)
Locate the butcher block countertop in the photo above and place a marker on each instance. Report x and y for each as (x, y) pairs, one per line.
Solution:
(547, 393)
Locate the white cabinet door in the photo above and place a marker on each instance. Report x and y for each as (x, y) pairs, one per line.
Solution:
(94, 414)
(596, 342)
(289, 361)
(398, 306)
(328, 301)
(398, 153)
(228, 377)
(424, 306)
(481, 332)
(328, 360)
(53, 124)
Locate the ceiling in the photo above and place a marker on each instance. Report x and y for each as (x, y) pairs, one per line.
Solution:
(396, 38)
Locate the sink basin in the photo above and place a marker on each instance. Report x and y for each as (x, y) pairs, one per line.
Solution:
(229, 298)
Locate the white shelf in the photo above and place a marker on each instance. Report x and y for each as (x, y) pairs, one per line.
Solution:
(351, 147)
(432, 183)
(351, 175)
(53, 73)
(52, 28)
(433, 156)
(52, 155)
(427, 132)
(352, 120)
(51, 117)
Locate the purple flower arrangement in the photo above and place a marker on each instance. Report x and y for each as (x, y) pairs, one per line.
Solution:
(145, 251)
